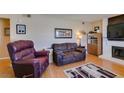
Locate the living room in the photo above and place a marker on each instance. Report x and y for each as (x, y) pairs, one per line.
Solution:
(67, 46)
(41, 28)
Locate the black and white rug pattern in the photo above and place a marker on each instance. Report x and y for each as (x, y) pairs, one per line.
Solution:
(89, 71)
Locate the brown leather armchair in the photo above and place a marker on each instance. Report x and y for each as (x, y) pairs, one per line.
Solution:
(26, 61)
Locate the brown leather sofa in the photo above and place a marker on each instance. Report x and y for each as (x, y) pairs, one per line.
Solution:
(65, 53)
(26, 61)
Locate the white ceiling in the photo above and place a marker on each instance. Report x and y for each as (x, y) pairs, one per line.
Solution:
(81, 17)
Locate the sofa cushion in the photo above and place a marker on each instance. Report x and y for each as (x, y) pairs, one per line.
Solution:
(67, 53)
(75, 53)
(78, 55)
(21, 45)
(68, 56)
(24, 54)
(59, 47)
(71, 46)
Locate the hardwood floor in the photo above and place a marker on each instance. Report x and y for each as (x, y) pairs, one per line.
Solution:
(6, 70)
(54, 71)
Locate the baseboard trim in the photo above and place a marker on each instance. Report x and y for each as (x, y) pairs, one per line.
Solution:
(114, 60)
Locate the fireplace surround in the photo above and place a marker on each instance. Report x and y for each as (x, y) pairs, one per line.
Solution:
(118, 52)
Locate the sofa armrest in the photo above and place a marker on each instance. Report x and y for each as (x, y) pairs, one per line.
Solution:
(81, 49)
(58, 56)
(41, 53)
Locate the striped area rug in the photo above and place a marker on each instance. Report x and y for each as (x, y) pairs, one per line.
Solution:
(89, 71)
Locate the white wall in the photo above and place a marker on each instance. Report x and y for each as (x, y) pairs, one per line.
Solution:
(40, 29)
(107, 45)
(97, 23)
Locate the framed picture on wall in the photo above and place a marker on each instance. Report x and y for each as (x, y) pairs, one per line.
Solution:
(20, 29)
(63, 33)
(96, 28)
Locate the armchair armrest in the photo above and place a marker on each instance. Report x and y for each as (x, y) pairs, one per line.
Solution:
(27, 62)
(41, 53)
(27, 68)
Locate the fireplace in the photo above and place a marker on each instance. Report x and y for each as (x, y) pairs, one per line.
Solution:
(118, 52)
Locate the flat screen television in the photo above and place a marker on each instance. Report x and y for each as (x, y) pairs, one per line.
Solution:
(115, 32)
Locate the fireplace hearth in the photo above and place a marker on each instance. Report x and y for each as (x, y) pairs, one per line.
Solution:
(118, 52)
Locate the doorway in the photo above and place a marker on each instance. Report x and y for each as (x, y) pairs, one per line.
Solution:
(4, 37)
